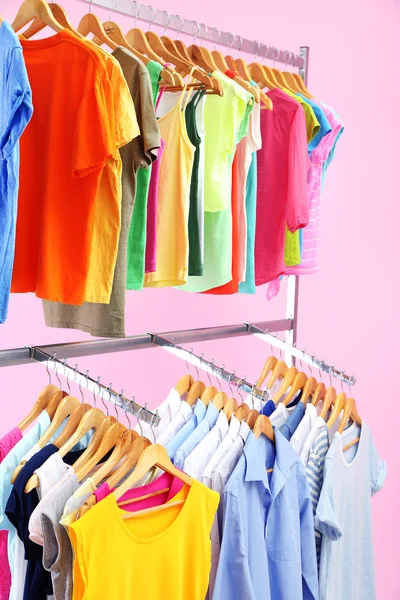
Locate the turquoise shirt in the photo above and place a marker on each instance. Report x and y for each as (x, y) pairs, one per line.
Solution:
(248, 286)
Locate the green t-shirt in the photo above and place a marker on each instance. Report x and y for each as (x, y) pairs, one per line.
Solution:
(137, 231)
(237, 103)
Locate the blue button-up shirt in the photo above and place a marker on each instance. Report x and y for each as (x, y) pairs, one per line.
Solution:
(288, 429)
(268, 408)
(198, 434)
(183, 434)
(268, 547)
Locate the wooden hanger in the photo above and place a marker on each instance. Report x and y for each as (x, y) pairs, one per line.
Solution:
(73, 422)
(35, 8)
(46, 401)
(153, 456)
(209, 393)
(109, 441)
(278, 372)
(242, 412)
(220, 400)
(281, 79)
(264, 76)
(177, 46)
(242, 68)
(286, 383)
(94, 442)
(195, 392)
(222, 66)
(319, 394)
(60, 16)
(264, 426)
(184, 384)
(230, 408)
(328, 402)
(298, 384)
(64, 410)
(269, 366)
(252, 417)
(203, 58)
(308, 390)
(350, 412)
(337, 409)
(90, 23)
(301, 85)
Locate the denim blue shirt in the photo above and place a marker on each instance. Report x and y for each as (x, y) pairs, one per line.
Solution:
(183, 434)
(198, 434)
(268, 408)
(268, 547)
(288, 429)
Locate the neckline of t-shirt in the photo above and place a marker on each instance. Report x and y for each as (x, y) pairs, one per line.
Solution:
(347, 464)
(158, 536)
(45, 42)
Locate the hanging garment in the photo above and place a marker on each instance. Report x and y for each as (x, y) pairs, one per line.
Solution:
(152, 208)
(138, 227)
(344, 516)
(248, 286)
(109, 320)
(223, 118)
(282, 166)
(183, 434)
(166, 412)
(15, 113)
(118, 556)
(199, 433)
(173, 200)
(269, 517)
(67, 67)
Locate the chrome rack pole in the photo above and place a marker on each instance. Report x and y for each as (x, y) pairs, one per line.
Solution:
(219, 372)
(83, 380)
(300, 354)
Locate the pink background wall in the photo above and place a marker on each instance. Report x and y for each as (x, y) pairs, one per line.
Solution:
(348, 313)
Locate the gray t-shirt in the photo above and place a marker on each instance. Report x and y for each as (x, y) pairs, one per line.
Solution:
(109, 319)
(57, 549)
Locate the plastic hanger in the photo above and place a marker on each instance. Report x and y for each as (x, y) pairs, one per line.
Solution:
(64, 410)
(90, 23)
(153, 456)
(286, 383)
(308, 390)
(328, 401)
(298, 384)
(319, 394)
(30, 9)
(269, 366)
(350, 412)
(263, 425)
(60, 16)
(278, 372)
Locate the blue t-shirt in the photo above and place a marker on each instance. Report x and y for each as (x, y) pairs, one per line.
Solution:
(15, 112)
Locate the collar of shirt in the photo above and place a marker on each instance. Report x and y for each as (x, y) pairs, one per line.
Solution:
(253, 402)
(196, 436)
(221, 451)
(197, 460)
(268, 408)
(288, 428)
(280, 415)
(227, 465)
(198, 415)
(166, 411)
(183, 415)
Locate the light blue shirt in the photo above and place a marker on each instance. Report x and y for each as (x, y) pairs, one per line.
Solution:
(198, 434)
(183, 434)
(7, 467)
(288, 429)
(268, 547)
(15, 113)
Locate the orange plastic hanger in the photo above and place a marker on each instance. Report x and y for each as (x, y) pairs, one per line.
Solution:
(350, 412)
(319, 394)
(328, 401)
(195, 392)
(252, 417)
(269, 366)
(48, 400)
(230, 408)
(298, 384)
(242, 412)
(278, 372)
(337, 409)
(286, 383)
(308, 390)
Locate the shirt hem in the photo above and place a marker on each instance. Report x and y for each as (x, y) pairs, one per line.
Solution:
(85, 328)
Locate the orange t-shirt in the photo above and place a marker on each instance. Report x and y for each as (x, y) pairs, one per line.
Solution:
(232, 286)
(63, 152)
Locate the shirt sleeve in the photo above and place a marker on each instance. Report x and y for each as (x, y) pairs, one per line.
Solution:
(16, 104)
(95, 136)
(308, 551)
(377, 469)
(325, 519)
(233, 578)
(126, 124)
(298, 164)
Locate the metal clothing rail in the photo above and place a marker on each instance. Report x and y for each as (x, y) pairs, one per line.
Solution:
(200, 31)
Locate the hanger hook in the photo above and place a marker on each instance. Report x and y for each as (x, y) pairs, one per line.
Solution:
(240, 43)
(151, 425)
(179, 19)
(94, 394)
(280, 349)
(341, 380)
(120, 396)
(233, 39)
(135, 14)
(231, 377)
(216, 34)
(166, 14)
(64, 362)
(277, 55)
(195, 365)
(48, 370)
(80, 390)
(195, 33)
(127, 412)
(205, 32)
(239, 390)
(138, 419)
(154, 13)
(257, 49)
(219, 379)
(103, 402)
(330, 373)
(90, 6)
(265, 55)
(56, 369)
(254, 387)
(113, 9)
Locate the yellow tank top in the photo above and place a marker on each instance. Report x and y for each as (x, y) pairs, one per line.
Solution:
(173, 200)
(164, 554)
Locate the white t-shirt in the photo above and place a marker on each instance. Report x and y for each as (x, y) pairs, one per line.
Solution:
(344, 516)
